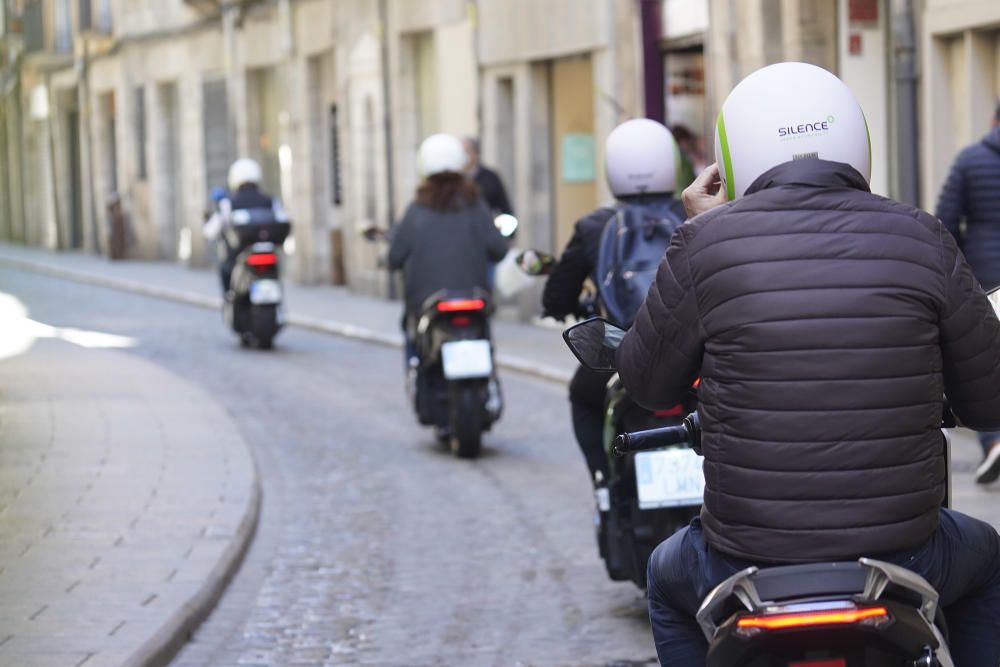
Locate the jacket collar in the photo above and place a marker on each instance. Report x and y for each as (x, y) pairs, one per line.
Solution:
(811, 173)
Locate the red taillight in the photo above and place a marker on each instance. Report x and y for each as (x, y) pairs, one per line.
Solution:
(675, 411)
(830, 662)
(812, 618)
(456, 305)
(262, 259)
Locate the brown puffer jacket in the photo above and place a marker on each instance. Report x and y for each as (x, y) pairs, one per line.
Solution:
(826, 323)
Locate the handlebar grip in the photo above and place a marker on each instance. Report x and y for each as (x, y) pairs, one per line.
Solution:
(653, 439)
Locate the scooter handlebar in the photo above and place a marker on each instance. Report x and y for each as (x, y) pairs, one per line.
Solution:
(686, 433)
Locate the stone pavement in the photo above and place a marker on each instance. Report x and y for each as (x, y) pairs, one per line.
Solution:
(529, 348)
(127, 498)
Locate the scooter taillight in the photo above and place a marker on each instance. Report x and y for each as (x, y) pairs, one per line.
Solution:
(262, 259)
(458, 305)
(869, 616)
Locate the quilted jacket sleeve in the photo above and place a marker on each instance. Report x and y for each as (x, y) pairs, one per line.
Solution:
(970, 344)
(661, 355)
(951, 203)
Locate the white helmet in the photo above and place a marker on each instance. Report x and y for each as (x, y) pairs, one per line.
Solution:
(640, 157)
(784, 112)
(440, 153)
(243, 171)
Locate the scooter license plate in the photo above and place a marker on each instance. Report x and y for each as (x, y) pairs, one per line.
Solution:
(669, 478)
(466, 359)
(265, 292)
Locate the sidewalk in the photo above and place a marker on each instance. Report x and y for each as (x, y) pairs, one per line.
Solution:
(526, 348)
(127, 498)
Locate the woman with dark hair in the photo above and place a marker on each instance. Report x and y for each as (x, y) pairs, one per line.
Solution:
(446, 239)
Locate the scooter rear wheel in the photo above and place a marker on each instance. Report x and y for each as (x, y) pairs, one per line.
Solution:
(467, 415)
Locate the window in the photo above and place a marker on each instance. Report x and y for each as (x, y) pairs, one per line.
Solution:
(140, 131)
(85, 15)
(63, 26)
(368, 155)
(34, 26)
(104, 22)
(336, 182)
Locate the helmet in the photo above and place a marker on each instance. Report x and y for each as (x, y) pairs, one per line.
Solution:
(640, 157)
(243, 171)
(788, 111)
(440, 153)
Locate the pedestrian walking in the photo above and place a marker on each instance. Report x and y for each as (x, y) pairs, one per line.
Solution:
(969, 206)
(489, 182)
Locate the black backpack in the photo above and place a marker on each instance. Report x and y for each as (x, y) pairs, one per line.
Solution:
(633, 243)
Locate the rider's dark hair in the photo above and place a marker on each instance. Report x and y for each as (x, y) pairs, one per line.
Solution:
(447, 191)
(996, 112)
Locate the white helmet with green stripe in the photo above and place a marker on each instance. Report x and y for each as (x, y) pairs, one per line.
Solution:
(640, 157)
(784, 112)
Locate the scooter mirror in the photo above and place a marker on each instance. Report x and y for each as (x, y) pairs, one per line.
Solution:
(994, 297)
(374, 234)
(594, 343)
(536, 262)
(506, 223)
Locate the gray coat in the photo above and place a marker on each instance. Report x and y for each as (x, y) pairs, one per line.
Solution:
(444, 250)
(826, 323)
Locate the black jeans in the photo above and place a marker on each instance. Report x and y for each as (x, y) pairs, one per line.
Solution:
(961, 561)
(587, 391)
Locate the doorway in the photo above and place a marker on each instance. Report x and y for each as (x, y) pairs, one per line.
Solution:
(74, 212)
(573, 149)
(168, 164)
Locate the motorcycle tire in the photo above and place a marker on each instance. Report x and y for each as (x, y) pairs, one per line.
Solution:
(467, 414)
(264, 325)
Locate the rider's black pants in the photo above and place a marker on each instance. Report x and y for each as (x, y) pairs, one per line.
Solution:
(586, 396)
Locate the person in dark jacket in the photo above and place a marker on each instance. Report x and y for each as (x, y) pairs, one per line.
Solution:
(244, 193)
(641, 173)
(489, 182)
(826, 323)
(969, 206)
(446, 239)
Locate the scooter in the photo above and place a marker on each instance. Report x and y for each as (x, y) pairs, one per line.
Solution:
(841, 614)
(253, 305)
(647, 496)
(451, 371)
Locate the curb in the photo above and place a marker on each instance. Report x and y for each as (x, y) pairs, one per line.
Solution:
(332, 327)
(163, 646)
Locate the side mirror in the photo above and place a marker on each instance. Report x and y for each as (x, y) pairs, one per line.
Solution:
(506, 223)
(994, 297)
(218, 193)
(594, 343)
(374, 234)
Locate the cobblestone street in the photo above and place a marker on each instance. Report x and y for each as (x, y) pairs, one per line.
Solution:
(373, 545)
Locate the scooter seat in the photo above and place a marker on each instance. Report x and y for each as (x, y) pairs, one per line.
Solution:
(814, 580)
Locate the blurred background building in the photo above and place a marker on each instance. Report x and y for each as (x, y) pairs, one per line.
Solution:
(146, 102)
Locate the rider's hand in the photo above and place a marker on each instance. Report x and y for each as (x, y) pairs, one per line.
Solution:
(705, 193)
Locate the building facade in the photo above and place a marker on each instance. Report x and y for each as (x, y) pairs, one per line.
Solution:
(146, 102)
